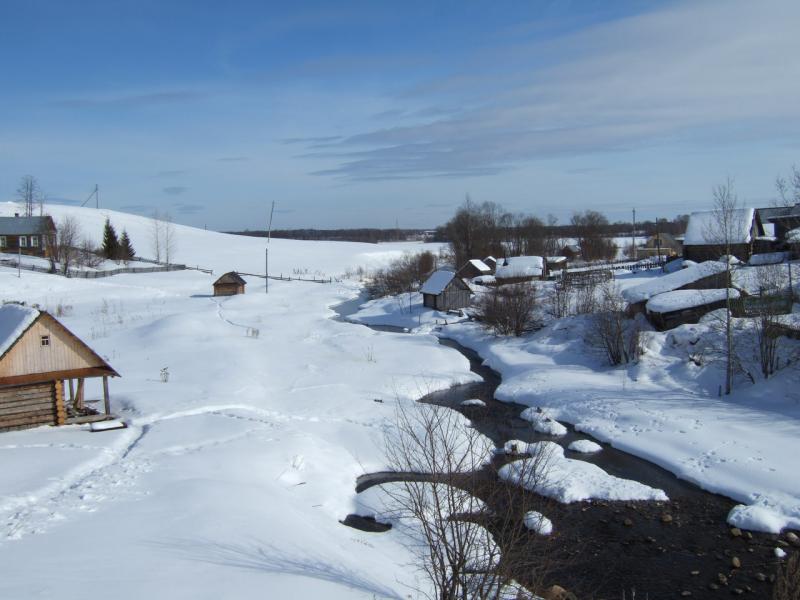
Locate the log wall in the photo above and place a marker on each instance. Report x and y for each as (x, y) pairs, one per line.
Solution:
(26, 406)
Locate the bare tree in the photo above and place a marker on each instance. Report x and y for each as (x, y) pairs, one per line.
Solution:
(773, 299)
(617, 335)
(788, 188)
(170, 242)
(156, 235)
(723, 230)
(64, 246)
(508, 309)
(30, 194)
(466, 549)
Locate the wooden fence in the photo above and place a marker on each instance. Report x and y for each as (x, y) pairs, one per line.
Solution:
(74, 273)
(289, 278)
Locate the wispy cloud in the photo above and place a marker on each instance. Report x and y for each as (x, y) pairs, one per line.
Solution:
(130, 100)
(188, 208)
(692, 73)
(171, 173)
(175, 190)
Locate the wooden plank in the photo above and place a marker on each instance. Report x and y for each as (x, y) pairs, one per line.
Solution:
(55, 375)
(28, 411)
(10, 403)
(106, 400)
(30, 420)
(21, 393)
(18, 390)
(27, 406)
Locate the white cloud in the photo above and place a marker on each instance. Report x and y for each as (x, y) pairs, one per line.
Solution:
(693, 73)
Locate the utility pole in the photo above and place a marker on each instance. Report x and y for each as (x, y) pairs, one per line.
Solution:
(633, 235)
(658, 239)
(266, 252)
(96, 194)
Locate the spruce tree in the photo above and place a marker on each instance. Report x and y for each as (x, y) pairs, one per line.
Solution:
(110, 241)
(126, 251)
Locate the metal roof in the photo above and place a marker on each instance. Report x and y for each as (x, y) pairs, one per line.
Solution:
(25, 225)
(230, 277)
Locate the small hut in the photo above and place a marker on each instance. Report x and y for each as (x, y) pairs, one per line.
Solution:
(444, 290)
(491, 262)
(38, 355)
(229, 284)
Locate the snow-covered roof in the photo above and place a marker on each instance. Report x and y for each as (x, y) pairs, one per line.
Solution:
(682, 299)
(484, 280)
(672, 281)
(14, 320)
(520, 266)
(480, 265)
(793, 235)
(703, 226)
(767, 258)
(436, 283)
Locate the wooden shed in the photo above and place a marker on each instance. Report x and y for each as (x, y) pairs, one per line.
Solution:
(39, 357)
(229, 284)
(444, 290)
(474, 268)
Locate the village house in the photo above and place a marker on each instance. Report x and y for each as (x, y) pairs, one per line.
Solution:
(444, 290)
(474, 268)
(704, 276)
(229, 284)
(660, 244)
(703, 241)
(38, 358)
(491, 262)
(679, 307)
(27, 235)
(517, 269)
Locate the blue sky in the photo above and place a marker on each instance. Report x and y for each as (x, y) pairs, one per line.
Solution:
(355, 114)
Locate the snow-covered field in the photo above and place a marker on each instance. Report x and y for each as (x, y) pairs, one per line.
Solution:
(664, 408)
(231, 478)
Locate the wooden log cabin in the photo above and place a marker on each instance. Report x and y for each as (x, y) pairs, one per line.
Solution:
(229, 284)
(27, 235)
(444, 290)
(39, 359)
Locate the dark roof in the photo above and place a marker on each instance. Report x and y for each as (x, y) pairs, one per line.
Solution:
(778, 212)
(25, 225)
(231, 277)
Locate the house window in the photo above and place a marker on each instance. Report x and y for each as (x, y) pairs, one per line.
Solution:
(45, 339)
(3, 242)
(23, 241)
(34, 241)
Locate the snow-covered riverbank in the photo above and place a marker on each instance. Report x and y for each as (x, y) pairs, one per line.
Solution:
(664, 408)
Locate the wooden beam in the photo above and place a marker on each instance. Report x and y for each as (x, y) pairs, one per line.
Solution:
(61, 409)
(106, 402)
(55, 375)
(71, 391)
(79, 396)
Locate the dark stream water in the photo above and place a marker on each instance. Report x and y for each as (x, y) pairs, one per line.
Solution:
(659, 549)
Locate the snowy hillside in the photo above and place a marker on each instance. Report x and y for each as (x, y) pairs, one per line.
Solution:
(231, 478)
(223, 252)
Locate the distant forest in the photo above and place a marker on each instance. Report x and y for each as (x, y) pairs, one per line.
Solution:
(675, 226)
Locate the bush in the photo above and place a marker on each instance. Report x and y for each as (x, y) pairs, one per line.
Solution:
(616, 335)
(405, 274)
(508, 309)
